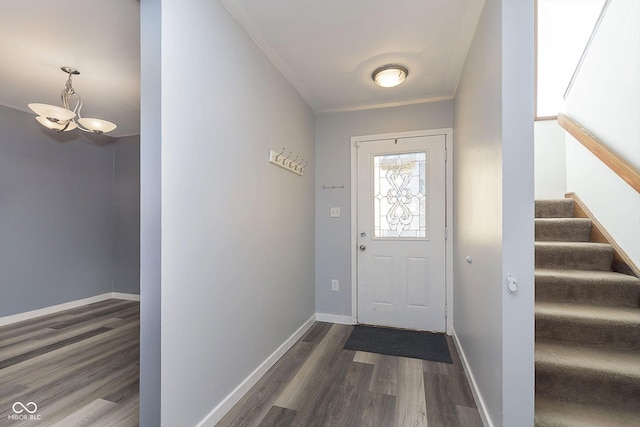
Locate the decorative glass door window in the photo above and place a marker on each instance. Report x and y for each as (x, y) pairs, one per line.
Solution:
(399, 195)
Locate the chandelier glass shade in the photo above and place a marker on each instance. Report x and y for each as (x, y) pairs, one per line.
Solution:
(65, 118)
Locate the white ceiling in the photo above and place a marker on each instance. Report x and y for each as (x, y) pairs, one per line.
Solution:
(98, 37)
(327, 49)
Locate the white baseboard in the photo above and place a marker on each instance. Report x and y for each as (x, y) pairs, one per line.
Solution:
(7, 320)
(128, 297)
(234, 397)
(486, 419)
(335, 318)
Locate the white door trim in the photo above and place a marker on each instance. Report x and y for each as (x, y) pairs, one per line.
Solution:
(355, 141)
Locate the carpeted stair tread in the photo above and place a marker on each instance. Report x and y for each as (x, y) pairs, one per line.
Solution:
(566, 371)
(583, 360)
(587, 287)
(578, 311)
(573, 255)
(587, 326)
(558, 413)
(562, 208)
(562, 229)
(618, 327)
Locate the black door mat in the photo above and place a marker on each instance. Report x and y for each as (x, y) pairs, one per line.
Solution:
(397, 342)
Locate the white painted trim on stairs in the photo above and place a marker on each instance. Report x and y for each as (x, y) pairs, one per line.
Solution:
(234, 397)
(486, 419)
(335, 318)
(14, 318)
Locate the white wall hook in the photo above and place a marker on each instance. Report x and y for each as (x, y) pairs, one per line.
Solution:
(284, 162)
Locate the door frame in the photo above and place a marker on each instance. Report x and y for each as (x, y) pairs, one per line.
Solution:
(355, 142)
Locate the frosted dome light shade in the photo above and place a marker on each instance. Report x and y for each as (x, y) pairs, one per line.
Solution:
(390, 75)
(97, 125)
(56, 126)
(53, 111)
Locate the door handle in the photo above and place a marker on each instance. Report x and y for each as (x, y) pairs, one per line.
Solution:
(363, 247)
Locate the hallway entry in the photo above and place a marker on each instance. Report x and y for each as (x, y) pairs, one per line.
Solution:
(401, 231)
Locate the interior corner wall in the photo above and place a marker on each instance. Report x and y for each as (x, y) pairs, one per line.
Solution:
(477, 142)
(333, 157)
(237, 232)
(55, 215)
(493, 212)
(518, 260)
(126, 215)
(150, 212)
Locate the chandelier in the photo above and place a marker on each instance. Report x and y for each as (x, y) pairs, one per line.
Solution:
(63, 119)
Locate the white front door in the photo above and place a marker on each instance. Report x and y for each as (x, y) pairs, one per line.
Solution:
(401, 232)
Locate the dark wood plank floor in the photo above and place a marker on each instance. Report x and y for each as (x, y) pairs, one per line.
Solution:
(79, 366)
(318, 383)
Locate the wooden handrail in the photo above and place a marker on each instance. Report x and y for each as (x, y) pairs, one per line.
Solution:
(621, 167)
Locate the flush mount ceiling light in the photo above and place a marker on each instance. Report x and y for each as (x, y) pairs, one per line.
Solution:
(389, 75)
(65, 119)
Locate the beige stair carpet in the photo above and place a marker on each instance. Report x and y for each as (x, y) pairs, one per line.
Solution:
(587, 327)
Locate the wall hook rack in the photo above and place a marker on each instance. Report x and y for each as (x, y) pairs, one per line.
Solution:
(279, 159)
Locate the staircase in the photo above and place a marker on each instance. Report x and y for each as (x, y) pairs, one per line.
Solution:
(587, 350)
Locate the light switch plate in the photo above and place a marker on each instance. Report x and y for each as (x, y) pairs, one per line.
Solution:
(335, 212)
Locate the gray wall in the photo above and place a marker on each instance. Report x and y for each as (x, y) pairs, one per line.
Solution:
(56, 215)
(333, 157)
(126, 215)
(493, 211)
(477, 211)
(150, 197)
(237, 232)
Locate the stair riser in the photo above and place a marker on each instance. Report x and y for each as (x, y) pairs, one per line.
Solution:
(587, 331)
(554, 208)
(574, 231)
(609, 294)
(588, 387)
(584, 258)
